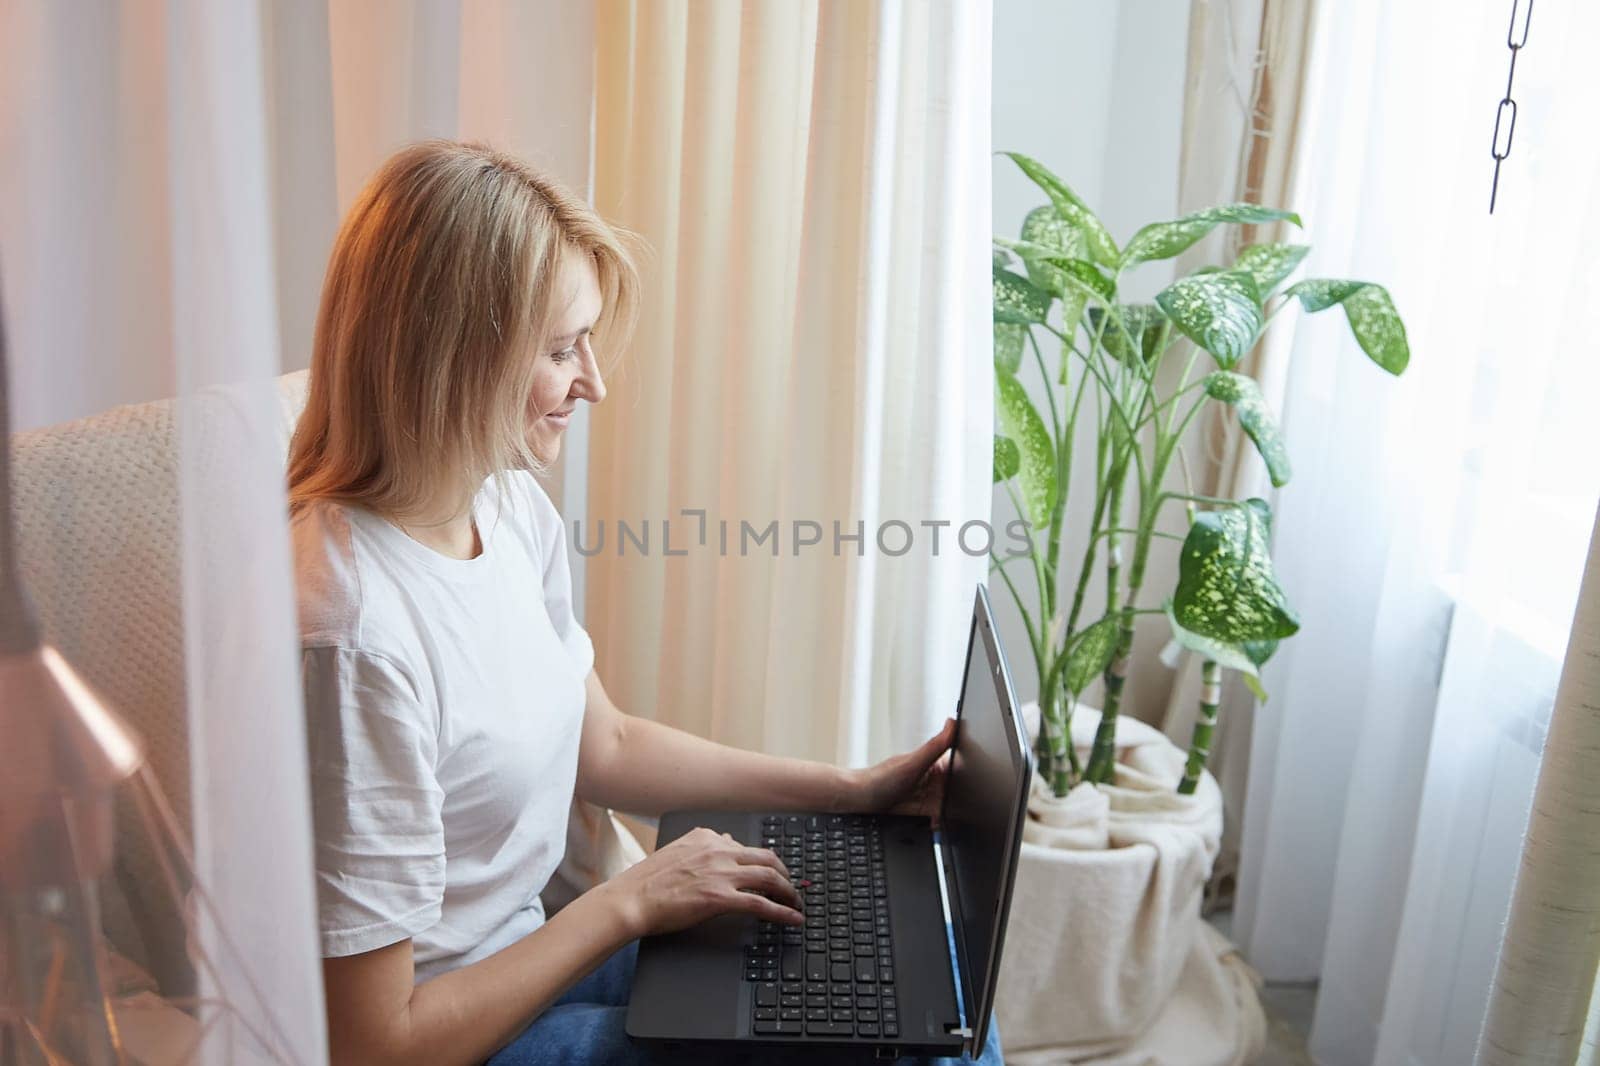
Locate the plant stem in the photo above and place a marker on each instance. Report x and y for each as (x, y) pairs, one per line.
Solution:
(1155, 412)
(1216, 501)
(1038, 573)
(1103, 756)
(1058, 753)
(1183, 385)
(1200, 746)
(1072, 749)
(1033, 639)
(1049, 389)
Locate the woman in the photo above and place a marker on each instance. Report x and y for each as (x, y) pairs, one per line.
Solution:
(453, 708)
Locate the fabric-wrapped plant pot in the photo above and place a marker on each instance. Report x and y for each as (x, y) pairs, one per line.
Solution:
(1107, 959)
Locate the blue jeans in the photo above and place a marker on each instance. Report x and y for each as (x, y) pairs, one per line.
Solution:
(585, 1026)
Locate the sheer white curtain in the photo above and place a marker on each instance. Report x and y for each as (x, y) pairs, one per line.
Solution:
(813, 179)
(139, 264)
(171, 176)
(1435, 532)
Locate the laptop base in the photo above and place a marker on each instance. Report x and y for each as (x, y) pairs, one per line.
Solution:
(715, 983)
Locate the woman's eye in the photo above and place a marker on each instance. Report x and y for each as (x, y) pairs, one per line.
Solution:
(563, 355)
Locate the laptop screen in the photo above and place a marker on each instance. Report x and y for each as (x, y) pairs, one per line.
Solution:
(981, 820)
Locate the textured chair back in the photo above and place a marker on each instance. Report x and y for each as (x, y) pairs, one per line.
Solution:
(98, 538)
(98, 534)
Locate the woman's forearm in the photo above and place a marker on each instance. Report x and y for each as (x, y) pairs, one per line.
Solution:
(653, 768)
(467, 1015)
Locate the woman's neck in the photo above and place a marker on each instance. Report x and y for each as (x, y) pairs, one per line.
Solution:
(447, 528)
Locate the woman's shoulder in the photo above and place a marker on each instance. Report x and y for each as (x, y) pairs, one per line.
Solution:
(338, 603)
(326, 583)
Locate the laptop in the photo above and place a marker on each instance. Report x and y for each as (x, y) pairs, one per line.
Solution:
(891, 903)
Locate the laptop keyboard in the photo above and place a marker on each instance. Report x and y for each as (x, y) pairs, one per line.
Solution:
(835, 977)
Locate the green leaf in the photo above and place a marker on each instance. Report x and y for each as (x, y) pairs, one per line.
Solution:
(1073, 301)
(1054, 236)
(1226, 588)
(1043, 177)
(1259, 650)
(1084, 275)
(1220, 312)
(1163, 240)
(1089, 653)
(1020, 421)
(1075, 281)
(1229, 656)
(1018, 300)
(1009, 339)
(1373, 318)
(1026, 250)
(1071, 208)
(1143, 322)
(1269, 264)
(1002, 258)
(1244, 395)
(1007, 460)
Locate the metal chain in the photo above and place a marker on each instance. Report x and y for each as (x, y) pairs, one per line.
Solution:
(1514, 41)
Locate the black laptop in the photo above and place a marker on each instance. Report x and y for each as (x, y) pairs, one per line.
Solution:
(871, 969)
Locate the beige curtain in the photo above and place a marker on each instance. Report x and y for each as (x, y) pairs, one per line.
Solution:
(1242, 104)
(813, 182)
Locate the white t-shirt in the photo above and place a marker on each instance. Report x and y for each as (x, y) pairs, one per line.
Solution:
(444, 703)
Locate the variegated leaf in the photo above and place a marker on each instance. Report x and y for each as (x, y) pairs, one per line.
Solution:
(1259, 650)
(1163, 240)
(1269, 264)
(1070, 206)
(1143, 322)
(1229, 656)
(1373, 318)
(1226, 587)
(1044, 229)
(1018, 300)
(1084, 275)
(1221, 312)
(1244, 396)
(1009, 340)
(1089, 652)
(1007, 459)
(1020, 421)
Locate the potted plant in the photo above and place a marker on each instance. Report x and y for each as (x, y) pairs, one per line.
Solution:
(1127, 380)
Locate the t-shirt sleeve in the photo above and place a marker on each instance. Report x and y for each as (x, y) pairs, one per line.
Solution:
(558, 587)
(376, 803)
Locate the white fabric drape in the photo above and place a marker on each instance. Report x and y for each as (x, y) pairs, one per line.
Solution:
(171, 176)
(814, 181)
(139, 263)
(1434, 533)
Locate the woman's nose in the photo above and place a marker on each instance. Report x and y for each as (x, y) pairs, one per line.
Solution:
(592, 383)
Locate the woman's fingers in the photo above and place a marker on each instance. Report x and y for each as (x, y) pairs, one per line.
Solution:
(768, 881)
(762, 907)
(761, 857)
(938, 744)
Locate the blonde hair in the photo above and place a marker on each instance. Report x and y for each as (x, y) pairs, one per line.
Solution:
(443, 277)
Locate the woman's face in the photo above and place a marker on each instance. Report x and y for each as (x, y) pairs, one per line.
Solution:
(565, 370)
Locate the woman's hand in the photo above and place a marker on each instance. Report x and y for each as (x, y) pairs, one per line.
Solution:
(912, 783)
(700, 875)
